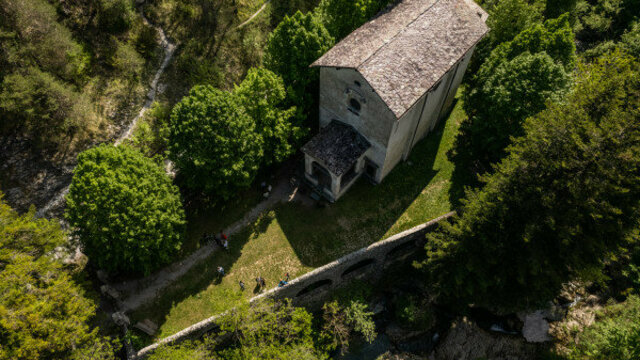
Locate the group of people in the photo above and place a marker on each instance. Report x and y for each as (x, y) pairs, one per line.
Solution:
(223, 241)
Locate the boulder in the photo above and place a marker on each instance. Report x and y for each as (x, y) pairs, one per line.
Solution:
(120, 319)
(465, 340)
(146, 326)
(111, 292)
(102, 276)
(536, 327)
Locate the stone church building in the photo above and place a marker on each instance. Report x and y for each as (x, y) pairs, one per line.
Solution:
(384, 87)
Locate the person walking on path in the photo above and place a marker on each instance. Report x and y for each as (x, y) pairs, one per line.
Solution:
(220, 271)
(261, 283)
(241, 285)
(223, 240)
(286, 277)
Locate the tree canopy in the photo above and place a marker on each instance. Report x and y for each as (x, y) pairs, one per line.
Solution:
(262, 94)
(293, 45)
(515, 82)
(125, 210)
(43, 313)
(214, 142)
(567, 194)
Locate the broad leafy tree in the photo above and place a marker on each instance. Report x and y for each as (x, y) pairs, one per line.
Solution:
(125, 210)
(514, 83)
(262, 94)
(297, 42)
(517, 89)
(43, 313)
(214, 142)
(566, 195)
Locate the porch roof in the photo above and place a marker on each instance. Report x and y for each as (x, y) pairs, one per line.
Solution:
(338, 146)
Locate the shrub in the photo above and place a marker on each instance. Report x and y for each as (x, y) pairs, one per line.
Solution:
(124, 209)
(614, 335)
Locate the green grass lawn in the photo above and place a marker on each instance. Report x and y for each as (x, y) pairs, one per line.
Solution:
(296, 238)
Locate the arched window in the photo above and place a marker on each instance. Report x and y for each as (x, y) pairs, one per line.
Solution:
(355, 104)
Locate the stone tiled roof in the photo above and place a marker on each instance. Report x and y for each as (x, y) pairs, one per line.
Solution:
(406, 49)
(338, 146)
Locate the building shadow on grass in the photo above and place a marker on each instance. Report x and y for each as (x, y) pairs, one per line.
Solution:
(203, 275)
(365, 214)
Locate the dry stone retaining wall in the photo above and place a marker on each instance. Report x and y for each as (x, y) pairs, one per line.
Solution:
(314, 288)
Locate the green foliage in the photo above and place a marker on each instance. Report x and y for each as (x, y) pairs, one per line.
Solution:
(43, 313)
(555, 37)
(297, 42)
(631, 40)
(600, 20)
(62, 75)
(509, 18)
(614, 335)
(184, 351)
(340, 321)
(262, 95)
(269, 330)
(341, 17)
(555, 8)
(213, 142)
(566, 195)
(280, 8)
(124, 210)
(33, 36)
(127, 61)
(45, 109)
(414, 312)
(115, 16)
(152, 131)
(516, 89)
(515, 82)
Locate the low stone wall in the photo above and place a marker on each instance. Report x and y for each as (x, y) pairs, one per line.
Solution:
(314, 288)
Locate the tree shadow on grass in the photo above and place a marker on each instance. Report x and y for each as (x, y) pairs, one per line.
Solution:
(367, 212)
(204, 274)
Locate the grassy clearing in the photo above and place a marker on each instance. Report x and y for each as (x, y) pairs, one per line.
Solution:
(296, 238)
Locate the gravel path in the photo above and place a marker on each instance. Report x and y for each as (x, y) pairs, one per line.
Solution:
(139, 292)
(253, 16)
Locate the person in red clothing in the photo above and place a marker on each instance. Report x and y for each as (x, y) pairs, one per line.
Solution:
(224, 241)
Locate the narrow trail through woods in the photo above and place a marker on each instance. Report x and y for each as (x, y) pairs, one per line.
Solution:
(264, 6)
(144, 290)
(169, 49)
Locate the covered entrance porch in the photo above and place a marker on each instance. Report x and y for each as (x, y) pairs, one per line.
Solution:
(334, 159)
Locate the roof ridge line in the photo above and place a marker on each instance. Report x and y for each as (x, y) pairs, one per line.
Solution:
(396, 34)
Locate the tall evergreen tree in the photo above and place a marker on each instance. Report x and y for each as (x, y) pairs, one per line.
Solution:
(566, 195)
(515, 82)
